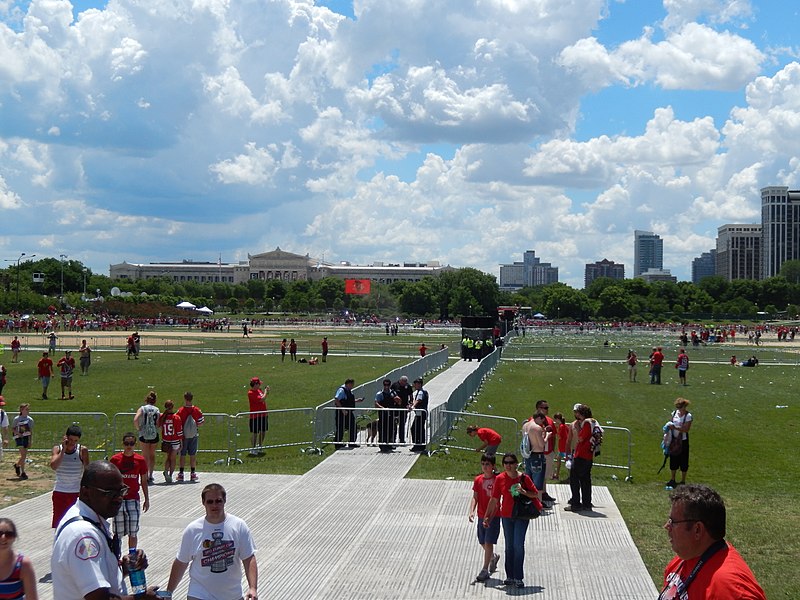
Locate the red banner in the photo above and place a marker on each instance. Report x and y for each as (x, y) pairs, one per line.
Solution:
(356, 286)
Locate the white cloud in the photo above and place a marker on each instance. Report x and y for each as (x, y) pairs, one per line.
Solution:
(8, 198)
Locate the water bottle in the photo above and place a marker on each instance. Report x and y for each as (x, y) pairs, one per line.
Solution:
(138, 583)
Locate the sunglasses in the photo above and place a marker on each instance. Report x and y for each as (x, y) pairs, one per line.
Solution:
(8, 534)
(123, 491)
(215, 501)
(509, 462)
(128, 443)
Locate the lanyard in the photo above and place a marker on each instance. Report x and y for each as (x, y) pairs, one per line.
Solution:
(684, 585)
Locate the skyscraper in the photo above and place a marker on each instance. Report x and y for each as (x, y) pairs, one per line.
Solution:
(780, 228)
(704, 265)
(739, 251)
(648, 252)
(603, 268)
(530, 272)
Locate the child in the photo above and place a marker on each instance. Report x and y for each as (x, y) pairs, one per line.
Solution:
(22, 427)
(487, 536)
(562, 430)
(171, 436)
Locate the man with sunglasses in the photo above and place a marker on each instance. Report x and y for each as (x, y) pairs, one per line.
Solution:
(134, 471)
(86, 560)
(218, 546)
(705, 565)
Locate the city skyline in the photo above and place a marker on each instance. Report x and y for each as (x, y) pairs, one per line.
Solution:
(148, 131)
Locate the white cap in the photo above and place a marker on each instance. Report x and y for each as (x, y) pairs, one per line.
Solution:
(576, 407)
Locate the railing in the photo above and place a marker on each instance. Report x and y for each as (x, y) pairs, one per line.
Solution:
(616, 450)
(458, 439)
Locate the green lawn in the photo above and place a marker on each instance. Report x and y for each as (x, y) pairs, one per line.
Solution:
(742, 444)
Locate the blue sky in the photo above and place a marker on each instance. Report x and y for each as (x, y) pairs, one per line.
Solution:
(462, 131)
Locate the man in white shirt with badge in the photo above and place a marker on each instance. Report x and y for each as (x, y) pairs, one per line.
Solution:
(85, 562)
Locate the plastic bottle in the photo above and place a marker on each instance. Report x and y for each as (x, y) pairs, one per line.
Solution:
(138, 582)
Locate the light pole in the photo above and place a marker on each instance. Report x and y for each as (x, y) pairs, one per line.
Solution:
(62, 257)
(17, 261)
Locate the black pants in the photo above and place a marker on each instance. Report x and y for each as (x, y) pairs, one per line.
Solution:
(401, 416)
(345, 419)
(385, 428)
(418, 430)
(580, 482)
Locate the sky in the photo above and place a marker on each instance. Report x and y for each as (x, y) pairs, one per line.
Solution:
(460, 131)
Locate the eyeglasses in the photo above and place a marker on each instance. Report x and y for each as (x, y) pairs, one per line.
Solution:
(8, 534)
(671, 522)
(509, 462)
(128, 443)
(215, 501)
(123, 491)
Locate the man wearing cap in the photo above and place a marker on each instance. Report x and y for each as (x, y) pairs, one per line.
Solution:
(66, 365)
(259, 423)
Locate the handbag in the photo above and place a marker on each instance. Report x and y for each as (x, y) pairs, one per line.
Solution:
(526, 508)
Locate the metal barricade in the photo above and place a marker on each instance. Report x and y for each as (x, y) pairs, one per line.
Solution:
(441, 420)
(458, 439)
(325, 422)
(49, 429)
(286, 427)
(616, 449)
(214, 433)
(367, 423)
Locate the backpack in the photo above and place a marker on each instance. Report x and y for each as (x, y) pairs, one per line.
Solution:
(149, 430)
(525, 445)
(597, 438)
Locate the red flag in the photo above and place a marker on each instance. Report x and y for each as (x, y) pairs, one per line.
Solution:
(356, 286)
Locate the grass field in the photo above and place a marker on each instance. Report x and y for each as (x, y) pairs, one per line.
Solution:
(742, 443)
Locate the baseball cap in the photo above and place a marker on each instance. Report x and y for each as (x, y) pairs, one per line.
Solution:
(254, 381)
(576, 407)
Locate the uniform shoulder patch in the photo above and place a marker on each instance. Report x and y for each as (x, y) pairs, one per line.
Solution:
(87, 548)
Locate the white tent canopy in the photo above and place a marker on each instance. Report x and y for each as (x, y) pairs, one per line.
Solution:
(185, 304)
(205, 310)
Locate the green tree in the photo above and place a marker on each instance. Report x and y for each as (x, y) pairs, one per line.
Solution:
(790, 271)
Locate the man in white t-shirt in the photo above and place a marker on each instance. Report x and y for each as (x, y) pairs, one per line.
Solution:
(216, 545)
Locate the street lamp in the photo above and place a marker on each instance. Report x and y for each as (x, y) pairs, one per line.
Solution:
(62, 257)
(17, 261)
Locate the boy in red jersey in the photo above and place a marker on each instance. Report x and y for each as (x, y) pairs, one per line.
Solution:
(134, 475)
(171, 437)
(487, 536)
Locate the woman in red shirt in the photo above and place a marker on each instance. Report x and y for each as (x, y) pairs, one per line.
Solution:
(514, 530)
(580, 476)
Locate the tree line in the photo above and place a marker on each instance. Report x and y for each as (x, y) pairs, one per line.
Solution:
(449, 295)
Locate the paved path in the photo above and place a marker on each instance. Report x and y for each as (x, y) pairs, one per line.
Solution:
(353, 528)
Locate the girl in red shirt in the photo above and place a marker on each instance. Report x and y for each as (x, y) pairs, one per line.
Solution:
(171, 436)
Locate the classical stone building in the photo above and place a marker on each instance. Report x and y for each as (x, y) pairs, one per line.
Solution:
(276, 264)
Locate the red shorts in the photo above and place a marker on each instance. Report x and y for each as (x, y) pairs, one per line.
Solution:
(61, 504)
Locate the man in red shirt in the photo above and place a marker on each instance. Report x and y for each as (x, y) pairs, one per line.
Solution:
(324, 349)
(490, 438)
(259, 423)
(66, 366)
(705, 565)
(580, 476)
(45, 367)
(134, 475)
(656, 358)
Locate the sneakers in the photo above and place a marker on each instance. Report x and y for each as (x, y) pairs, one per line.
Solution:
(193, 477)
(671, 484)
(23, 475)
(71, 397)
(509, 582)
(483, 575)
(167, 477)
(151, 480)
(179, 477)
(548, 498)
(573, 508)
(519, 583)
(493, 563)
